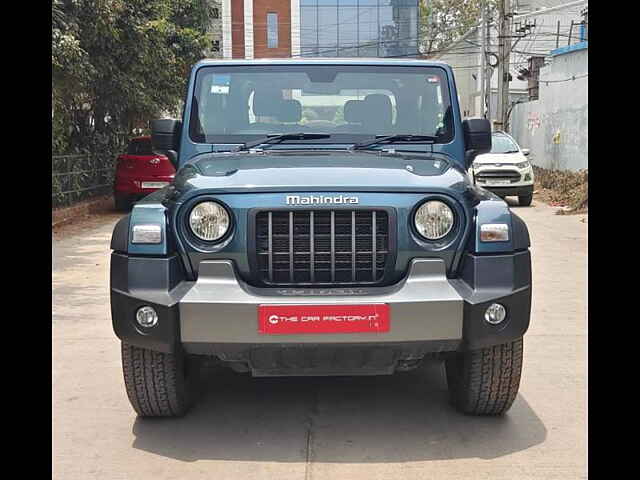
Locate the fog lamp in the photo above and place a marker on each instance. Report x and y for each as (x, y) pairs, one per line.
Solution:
(146, 317)
(495, 314)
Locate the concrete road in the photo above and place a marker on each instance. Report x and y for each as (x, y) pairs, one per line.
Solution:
(314, 428)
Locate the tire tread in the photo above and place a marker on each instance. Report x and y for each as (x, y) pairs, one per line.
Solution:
(486, 381)
(525, 200)
(155, 382)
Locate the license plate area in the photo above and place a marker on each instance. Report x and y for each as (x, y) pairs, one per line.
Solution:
(498, 182)
(318, 319)
(154, 184)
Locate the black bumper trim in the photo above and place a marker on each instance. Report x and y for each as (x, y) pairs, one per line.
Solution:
(164, 337)
(510, 191)
(478, 333)
(487, 279)
(154, 281)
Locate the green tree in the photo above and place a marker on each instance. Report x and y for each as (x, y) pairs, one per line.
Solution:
(442, 22)
(119, 63)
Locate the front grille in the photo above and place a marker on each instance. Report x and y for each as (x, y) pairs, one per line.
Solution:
(510, 175)
(315, 247)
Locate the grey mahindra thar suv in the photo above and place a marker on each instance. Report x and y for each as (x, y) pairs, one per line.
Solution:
(321, 222)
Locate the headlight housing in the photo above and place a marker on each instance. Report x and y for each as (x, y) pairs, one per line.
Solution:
(524, 164)
(434, 219)
(209, 221)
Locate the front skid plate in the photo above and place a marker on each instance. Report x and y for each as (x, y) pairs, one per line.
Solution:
(221, 308)
(322, 359)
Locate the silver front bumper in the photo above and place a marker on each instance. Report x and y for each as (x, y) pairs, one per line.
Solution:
(221, 308)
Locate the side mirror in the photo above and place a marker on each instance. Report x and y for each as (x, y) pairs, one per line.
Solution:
(526, 152)
(165, 138)
(477, 138)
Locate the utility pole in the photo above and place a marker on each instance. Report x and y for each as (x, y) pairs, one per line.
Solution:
(483, 60)
(489, 71)
(504, 49)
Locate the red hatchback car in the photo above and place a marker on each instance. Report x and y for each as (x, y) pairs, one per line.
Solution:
(140, 172)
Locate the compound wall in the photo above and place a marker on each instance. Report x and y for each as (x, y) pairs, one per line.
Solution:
(555, 127)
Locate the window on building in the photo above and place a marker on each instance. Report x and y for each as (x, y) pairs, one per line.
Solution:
(215, 13)
(216, 46)
(359, 28)
(272, 30)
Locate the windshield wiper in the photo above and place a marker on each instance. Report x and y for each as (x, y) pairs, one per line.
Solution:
(393, 138)
(269, 139)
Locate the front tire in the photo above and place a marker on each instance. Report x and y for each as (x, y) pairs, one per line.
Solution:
(485, 381)
(525, 200)
(158, 384)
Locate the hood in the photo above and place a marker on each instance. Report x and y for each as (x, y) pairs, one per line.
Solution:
(282, 171)
(503, 158)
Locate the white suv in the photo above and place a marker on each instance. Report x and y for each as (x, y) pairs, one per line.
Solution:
(505, 170)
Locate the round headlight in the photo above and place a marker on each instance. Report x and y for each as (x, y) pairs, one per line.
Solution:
(434, 219)
(209, 221)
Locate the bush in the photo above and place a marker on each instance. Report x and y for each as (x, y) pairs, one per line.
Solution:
(563, 187)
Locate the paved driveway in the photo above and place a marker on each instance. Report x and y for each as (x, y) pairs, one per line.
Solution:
(314, 428)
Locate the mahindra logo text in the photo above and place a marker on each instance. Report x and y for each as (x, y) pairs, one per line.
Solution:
(320, 200)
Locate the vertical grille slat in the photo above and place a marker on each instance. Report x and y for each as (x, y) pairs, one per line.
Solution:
(333, 246)
(322, 247)
(312, 252)
(270, 246)
(374, 240)
(353, 246)
(291, 247)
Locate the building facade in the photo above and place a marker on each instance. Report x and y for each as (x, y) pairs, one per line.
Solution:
(214, 32)
(319, 28)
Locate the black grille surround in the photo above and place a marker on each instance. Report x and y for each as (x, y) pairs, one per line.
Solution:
(322, 246)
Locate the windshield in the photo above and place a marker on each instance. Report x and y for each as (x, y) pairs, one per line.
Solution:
(352, 103)
(502, 144)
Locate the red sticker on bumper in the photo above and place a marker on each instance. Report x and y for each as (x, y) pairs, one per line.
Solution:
(293, 319)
